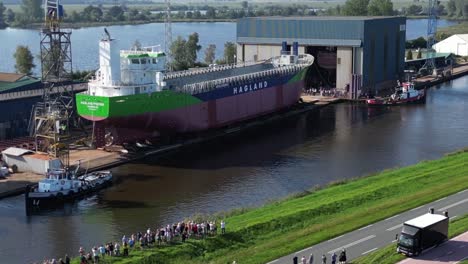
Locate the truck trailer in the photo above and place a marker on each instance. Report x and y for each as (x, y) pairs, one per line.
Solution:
(423, 232)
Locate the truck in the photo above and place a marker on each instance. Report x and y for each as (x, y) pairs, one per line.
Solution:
(422, 233)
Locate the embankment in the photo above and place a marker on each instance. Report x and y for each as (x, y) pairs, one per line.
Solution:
(279, 228)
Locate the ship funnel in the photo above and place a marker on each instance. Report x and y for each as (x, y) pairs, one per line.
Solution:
(295, 48)
(109, 60)
(284, 47)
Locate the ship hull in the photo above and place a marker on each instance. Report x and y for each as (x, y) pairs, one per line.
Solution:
(212, 114)
(182, 113)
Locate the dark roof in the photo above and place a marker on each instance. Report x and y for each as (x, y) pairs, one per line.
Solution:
(323, 17)
(10, 77)
(9, 81)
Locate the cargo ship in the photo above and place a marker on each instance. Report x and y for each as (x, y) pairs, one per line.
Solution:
(133, 96)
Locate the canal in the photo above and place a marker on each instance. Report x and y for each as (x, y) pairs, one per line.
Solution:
(249, 169)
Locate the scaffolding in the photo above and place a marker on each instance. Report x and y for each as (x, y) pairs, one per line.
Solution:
(51, 117)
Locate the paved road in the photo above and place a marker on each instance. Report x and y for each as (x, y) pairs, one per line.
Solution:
(372, 237)
(453, 251)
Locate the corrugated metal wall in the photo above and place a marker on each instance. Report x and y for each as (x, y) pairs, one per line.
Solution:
(297, 28)
(382, 40)
(384, 50)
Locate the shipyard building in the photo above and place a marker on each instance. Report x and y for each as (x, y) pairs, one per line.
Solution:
(366, 53)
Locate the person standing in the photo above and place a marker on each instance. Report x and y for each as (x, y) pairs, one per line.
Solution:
(311, 259)
(333, 258)
(324, 259)
(303, 260)
(223, 227)
(295, 260)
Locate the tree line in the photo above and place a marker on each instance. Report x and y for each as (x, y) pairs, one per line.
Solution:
(31, 11)
(183, 53)
(184, 56)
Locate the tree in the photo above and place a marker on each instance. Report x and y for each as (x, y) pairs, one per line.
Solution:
(24, 60)
(3, 24)
(451, 7)
(115, 13)
(10, 15)
(197, 14)
(380, 8)
(230, 51)
(178, 53)
(192, 48)
(245, 4)
(409, 55)
(414, 10)
(210, 12)
(355, 7)
(136, 45)
(75, 17)
(132, 14)
(210, 54)
(92, 13)
(32, 10)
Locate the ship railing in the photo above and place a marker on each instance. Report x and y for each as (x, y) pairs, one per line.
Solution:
(215, 68)
(207, 86)
(143, 50)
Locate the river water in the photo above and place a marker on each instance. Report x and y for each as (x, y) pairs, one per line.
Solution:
(249, 169)
(85, 40)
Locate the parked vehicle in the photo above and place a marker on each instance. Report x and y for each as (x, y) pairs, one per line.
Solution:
(422, 233)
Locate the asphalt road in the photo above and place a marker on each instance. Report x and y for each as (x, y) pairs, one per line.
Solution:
(372, 237)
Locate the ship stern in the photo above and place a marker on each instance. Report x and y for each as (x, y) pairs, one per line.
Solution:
(93, 108)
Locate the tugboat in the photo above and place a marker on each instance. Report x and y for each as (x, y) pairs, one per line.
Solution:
(405, 93)
(61, 185)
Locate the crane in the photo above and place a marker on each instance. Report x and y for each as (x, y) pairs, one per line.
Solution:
(168, 32)
(429, 65)
(51, 117)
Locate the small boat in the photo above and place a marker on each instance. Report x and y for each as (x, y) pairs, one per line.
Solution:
(61, 185)
(404, 94)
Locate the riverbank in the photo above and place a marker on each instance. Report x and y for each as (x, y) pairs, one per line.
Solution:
(460, 28)
(388, 254)
(266, 233)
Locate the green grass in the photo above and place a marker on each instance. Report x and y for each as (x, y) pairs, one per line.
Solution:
(280, 228)
(461, 28)
(388, 254)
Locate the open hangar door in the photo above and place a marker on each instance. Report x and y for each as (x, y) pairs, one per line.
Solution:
(332, 67)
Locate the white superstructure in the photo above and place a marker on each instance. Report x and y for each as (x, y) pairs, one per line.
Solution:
(127, 72)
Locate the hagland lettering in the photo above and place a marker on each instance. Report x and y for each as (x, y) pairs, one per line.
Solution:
(249, 87)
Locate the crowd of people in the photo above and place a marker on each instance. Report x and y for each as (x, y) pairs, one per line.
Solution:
(170, 234)
(326, 92)
(341, 259)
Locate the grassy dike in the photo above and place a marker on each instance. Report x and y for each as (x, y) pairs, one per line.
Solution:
(388, 254)
(280, 228)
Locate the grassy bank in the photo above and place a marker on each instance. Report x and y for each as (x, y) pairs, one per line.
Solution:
(460, 28)
(280, 228)
(388, 255)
